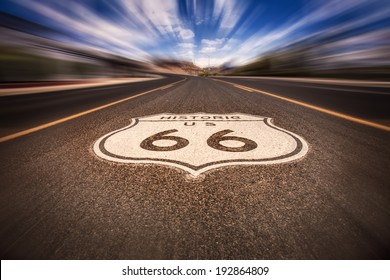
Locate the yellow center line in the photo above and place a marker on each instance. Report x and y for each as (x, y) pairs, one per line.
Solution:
(46, 125)
(320, 109)
(243, 88)
(165, 87)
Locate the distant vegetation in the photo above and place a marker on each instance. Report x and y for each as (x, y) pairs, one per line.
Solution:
(207, 73)
(45, 62)
(277, 64)
(328, 54)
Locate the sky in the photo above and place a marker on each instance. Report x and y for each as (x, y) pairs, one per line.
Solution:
(205, 32)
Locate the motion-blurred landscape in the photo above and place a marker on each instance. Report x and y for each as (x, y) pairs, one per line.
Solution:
(316, 39)
(28, 54)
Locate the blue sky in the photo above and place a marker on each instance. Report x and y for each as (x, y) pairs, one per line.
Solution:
(217, 32)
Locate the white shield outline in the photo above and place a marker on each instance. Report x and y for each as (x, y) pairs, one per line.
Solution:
(300, 151)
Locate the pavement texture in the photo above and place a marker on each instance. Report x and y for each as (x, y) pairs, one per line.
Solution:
(58, 200)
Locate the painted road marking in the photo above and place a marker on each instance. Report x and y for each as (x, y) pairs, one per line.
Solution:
(200, 142)
(320, 109)
(46, 125)
(244, 88)
(165, 87)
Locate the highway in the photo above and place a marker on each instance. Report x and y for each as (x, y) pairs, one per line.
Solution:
(311, 180)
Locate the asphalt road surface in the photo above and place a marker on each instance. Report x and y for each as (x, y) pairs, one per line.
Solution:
(60, 200)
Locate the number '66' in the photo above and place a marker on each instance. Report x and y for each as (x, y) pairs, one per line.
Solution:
(214, 141)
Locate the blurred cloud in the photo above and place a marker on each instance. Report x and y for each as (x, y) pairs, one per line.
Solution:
(211, 46)
(186, 45)
(364, 11)
(185, 33)
(217, 32)
(228, 11)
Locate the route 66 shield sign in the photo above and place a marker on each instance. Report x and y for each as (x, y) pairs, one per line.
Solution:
(199, 142)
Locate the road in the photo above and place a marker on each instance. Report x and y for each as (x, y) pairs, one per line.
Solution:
(60, 199)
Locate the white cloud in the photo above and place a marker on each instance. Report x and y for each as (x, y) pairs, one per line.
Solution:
(216, 52)
(153, 15)
(206, 61)
(262, 42)
(208, 50)
(185, 33)
(138, 24)
(210, 46)
(228, 11)
(95, 30)
(187, 45)
(213, 43)
(199, 21)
